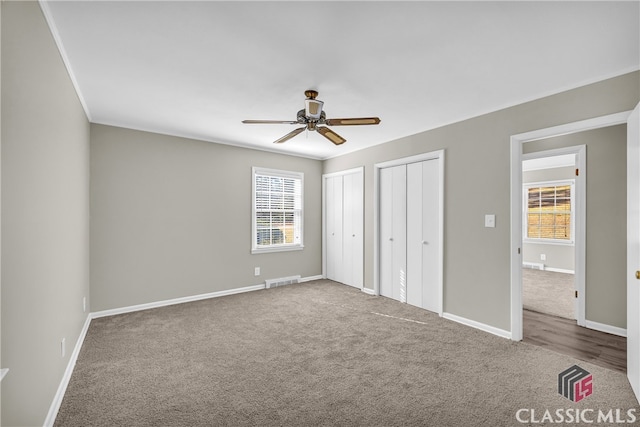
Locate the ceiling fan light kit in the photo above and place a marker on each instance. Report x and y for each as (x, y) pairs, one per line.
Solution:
(313, 106)
(312, 116)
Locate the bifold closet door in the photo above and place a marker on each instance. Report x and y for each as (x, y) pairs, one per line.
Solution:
(344, 233)
(393, 232)
(333, 198)
(353, 229)
(423, 237)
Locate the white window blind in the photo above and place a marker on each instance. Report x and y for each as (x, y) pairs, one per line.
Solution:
(277, 210)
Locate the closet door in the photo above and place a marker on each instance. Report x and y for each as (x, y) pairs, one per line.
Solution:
(393, 232)
(334, 224)
(423, 238)
(353, 228)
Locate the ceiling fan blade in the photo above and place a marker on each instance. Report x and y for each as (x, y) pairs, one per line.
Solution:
(353, 121)
(258, 122)
(289, 135)
(331, 135)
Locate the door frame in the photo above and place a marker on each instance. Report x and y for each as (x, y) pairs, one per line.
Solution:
(580, 216)
(433, 155)
(516, 144)
(325, 176)
(633, 250)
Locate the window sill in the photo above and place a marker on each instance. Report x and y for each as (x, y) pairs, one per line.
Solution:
(287, 248)
(549, 242)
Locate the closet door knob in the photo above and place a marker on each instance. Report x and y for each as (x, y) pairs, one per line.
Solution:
(424, 242)
(391, 239)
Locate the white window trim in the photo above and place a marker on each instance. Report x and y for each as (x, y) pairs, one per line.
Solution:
(553, 183)
(285, 247)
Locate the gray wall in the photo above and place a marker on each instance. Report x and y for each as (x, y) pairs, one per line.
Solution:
(167, 222)
(558, 256)
(171, 217)
(476, 264)
(45, 215)
(606, 239)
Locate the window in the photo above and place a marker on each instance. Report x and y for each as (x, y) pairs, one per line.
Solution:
(277, 210)
(549, 208)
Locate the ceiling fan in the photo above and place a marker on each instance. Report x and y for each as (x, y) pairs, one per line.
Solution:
(312, 116)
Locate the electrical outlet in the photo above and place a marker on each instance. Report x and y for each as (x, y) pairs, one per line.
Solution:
(256, 271)
(63, 349)
(84, 304)
(543, 257)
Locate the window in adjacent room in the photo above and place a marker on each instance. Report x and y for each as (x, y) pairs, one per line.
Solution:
(277, 210)
(549, 211)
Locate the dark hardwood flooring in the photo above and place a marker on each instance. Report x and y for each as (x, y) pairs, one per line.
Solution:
(566, 337)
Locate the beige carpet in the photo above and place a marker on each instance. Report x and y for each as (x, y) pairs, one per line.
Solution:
(548, 292)
(314, 354)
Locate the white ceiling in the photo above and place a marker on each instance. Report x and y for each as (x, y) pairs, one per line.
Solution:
(197, 69)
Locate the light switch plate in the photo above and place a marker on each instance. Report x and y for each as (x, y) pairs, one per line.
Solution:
(490, 221)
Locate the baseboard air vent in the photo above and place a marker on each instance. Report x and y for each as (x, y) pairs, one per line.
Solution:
(533, 265)
(272, 283)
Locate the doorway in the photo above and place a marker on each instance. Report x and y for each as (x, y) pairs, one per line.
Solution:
(518, 144)
(553, 217)
(604, 298)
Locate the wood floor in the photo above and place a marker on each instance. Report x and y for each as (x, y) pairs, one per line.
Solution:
(566, 337)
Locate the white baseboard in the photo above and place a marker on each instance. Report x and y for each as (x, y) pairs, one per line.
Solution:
(486, 328)
(614, 330)
(181, 300)
(311, 278)
(541, 266)
(369, 291)
(62, 388)
(560, 270)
